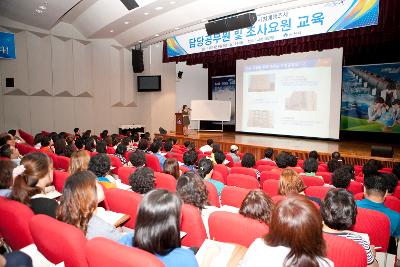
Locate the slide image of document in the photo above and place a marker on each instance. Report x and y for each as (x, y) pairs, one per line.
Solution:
(260, 119)
(262, 83)
(302, 101)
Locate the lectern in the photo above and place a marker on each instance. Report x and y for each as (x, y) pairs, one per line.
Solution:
(179, 123)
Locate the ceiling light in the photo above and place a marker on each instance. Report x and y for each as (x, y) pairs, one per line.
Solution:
(172, 2)
(159, 8)
(146, 13)
(126, 22)
(177, 28)
(156, 35)
(111, 30)
(140, 41)
(39, 11)
(42, 7)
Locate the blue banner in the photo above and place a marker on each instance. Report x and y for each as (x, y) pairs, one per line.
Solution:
(7, 46)
(224, 89)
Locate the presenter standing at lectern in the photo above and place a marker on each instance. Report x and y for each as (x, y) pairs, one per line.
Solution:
(186, 121)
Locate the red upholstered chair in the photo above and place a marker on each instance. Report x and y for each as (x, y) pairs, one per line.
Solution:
(110, 150)
(265, 162)
(263, 168)
(396, 192)
(223, 170)
(229, 157)
(127, 154)
(62, 163)
(345, 252)
(392, 203)
(300, 163)
(270, 187)
(243, 170)
(327, 176)
(359, 196)
(124, 173)
(192, 224)
(322, 167)
(25, 149)
(376, 225)
(229, 227)
(360, 178)
(355, 187)
(101, 252)
(27, 137)
(153, 162)
(58, 241)
(165, 181)
(237, 164)
(358, 169)
(312, 180)
(317, 191)
(14, 223)
(116, 163)
(216, 175)
(269, 175)
(183, 169)
(177, 156)
(123, 201)
(54, 158)
(59, 178)
(242, 180)
(386, 170)
(212, 194)
(233, 196)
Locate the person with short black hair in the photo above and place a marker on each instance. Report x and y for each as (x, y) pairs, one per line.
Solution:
(37, 140)
(339, 212)
(104, 134)
(206, 170)
(155, 148)
(219, 157)
(157, 229)
(336, 155)
(137, 158)
(292, 163)
(10, 152)
(391, 182)
(186, 144)
(168, 146)
(375, 190)
(249, 161)
(46, 145)
(334, 164)
(371, 167)
(281, 160)
(313, 154)
(80, 144)
(208, 147)
(268, 154)
(90, 144)
(189, 160)
(100, 165)
(341, 178)
(77, 133)
(142, 180)
(120, 153)
(143, 145)
(310, 166)
(101, 147)
(396, 170)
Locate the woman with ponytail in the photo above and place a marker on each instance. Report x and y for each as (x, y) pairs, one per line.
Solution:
(205, 171)
(31, 179)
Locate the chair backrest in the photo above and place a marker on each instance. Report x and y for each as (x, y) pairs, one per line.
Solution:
(153, 162)
(165, 181)
(242, 180)
(229, 157)
(101, 252)
(392, 203)
(358, 169)
(212, 194)
(266, 175)
(327, 176)
(59, 178)
(116, 163)
(25, 149)
(222, 169)
(216, 175)
(359, 196)
(360, 178)
(237, 164)
(233, 196)
(62, 163)
(14, 223)
(27, 137)
(345, 252)
(192, 224)
(228, 227)
(265, 162)
(271, 187)
(263, 168)
(58, 241)
(355, 187)
(110, 150)
(376, 225)
(243, 170)
(322, 167)
(124, 201)
(396, 192)
(312, 180)
(124, 173)
(177, 156)
(317, 191)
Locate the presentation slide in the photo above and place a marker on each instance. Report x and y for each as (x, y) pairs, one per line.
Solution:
(295, 94)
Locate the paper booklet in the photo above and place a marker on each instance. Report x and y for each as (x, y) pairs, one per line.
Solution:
(217, 254)
(111, 217)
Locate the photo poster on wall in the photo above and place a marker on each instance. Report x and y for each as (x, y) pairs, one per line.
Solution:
(371, 98)
(223, 88)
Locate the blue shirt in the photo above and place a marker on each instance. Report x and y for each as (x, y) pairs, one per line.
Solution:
(217, 184)
(179, 257)
(394, 217)
(161, 159)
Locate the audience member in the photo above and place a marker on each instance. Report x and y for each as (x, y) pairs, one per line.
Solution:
(77, 133)
(59, 147)
(192, 190)
(375, 189)
(391, 182)
(293, 217)
(6, 177)
(171, 166)
(104, 135)
(15, 136)
(126, 141)
(336, 155)
(205, 172)
(292, 163)
(90, 144)
(334, 164)
(233, 153)
(155, 148)
(248, 161)
(396, 170)
(46, 145)
(80, 144)
(81, 195)
(371, 167)
(143, 145)
(70, 147)
(314, 155)
(189, 160)
(281, 160)
(219, 157)
(101, 147)
(30, 181)
(207, 147)
(257, 205)
(37, 140)
(135, 137)
(157, 229)
(310, 167)
(137, 158)
(6, 138)
(79, 161)
(100, 165)
(341, 178)
(168, 146)
(338, 212)
(142, 180)
(120, 153)
(186, 144)
(10, 152)
(268, 154)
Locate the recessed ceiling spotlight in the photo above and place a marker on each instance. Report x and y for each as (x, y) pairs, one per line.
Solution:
(159, 8)
(140, 41)
(39, 11)
(172, 2)
(42, 7)
(177, 28)
(111, 30)
(146, 13)
(126, 22)
(156, 35)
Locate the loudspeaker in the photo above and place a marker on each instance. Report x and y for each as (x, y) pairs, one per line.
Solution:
(9, 82)
(137, 61)
(231, 23)
(130, 4)
(180, 73)
(382, 151)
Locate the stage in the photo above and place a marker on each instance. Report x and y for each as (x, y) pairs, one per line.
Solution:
(353, 152)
